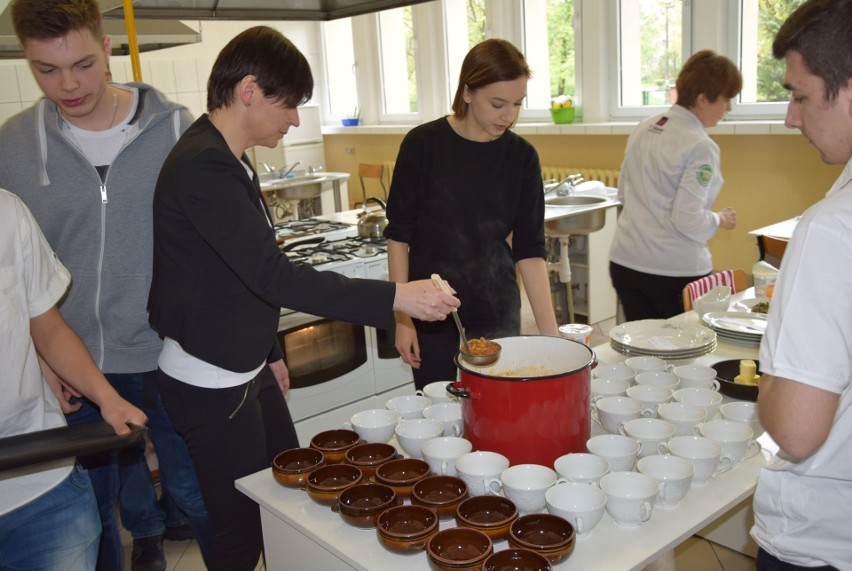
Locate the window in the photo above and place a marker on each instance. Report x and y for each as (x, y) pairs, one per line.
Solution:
(340, 68)
(551, 56)
(397, 54)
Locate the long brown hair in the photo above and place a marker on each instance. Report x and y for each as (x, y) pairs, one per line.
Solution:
(486, 63)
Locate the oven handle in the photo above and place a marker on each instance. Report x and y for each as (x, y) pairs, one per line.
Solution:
(457, 392)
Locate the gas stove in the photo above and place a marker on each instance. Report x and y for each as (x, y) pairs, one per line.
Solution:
(296, 229)
(319, 250)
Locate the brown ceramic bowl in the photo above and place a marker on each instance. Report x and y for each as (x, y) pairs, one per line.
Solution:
(360, 505)
(492, 515)
(370, 456)
(402, 474)
(547, 534)
(459, 548)
(514, 559)
(406, 529)
(334, 444)
(440, 493)
(291, 467)
(325, 484)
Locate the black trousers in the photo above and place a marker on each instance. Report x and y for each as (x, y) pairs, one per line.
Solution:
(768, 562)
(231, 433)
(648, 296)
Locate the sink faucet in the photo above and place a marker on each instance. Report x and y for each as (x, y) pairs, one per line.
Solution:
(571, 181)
(290, 169)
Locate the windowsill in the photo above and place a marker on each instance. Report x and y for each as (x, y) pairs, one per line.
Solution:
(763, 127)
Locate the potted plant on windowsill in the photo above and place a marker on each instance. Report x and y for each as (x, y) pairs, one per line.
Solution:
(562, 109)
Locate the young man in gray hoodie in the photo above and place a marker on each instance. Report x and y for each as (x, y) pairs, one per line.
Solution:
(85, 159)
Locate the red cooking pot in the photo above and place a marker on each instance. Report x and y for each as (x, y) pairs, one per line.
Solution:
(532, 405)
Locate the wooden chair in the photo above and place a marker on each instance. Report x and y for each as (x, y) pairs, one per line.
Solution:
(375, 171)
(739, 285)
(771, 249)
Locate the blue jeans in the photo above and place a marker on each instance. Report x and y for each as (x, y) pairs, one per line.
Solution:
(58, 531)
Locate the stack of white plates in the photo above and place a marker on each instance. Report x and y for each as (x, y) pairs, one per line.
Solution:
(737, 326)
(662, 338)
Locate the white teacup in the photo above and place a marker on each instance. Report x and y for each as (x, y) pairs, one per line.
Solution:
(648, 432)
(674, 475)
(717, 299)
(413, 432)
(441, 453)
(630, 497)
(619, 451)
(696, 376)
(525, 485)
(581, 467)
(706, 455)
(736, 438)
(682, 415)
(658, 379)
(602, 387)
(374, 425)
(450, 413)
(408, 406)
(745, 412)
(650, 396)
(705, 398)
(476, 468)
(643, 364)
(579, 503)
(609, 412)
(437, 392)
(616, 372)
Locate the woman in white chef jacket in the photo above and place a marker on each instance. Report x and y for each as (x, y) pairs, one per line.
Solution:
(669, 180)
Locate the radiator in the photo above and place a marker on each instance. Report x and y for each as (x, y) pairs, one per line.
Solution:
(607, 176)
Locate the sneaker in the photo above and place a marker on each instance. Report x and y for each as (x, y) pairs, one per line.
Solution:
(148, 554)
(178, 533)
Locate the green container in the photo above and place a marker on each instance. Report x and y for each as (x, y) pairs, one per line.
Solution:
(562, 115)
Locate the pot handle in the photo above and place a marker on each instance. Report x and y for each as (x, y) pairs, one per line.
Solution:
(457, 392)
(378, 201)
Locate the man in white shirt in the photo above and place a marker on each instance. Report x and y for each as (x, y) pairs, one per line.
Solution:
(803, 499)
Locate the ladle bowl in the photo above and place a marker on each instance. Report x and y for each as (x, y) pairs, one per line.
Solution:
(465, 352)
(481, 360)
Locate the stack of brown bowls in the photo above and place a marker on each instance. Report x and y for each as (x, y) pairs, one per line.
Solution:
(459, 549)
(325, 484)
(291, 467)
(361, 505)
(406, 529)
(492, 515)
(546, 534)
(334, 444)
(402, 474)
(514, 559)
(368, 457)
(440, 493)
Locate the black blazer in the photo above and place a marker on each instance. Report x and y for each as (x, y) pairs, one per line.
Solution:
(219, 278)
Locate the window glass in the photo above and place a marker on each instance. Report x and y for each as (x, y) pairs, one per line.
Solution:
(397, 50)
(651, 50)
(551, 56)
(340, 68)
(465, 24)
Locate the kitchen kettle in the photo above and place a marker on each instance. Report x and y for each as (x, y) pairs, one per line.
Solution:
(372, 224)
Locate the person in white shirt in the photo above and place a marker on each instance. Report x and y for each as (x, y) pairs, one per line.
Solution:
(48, 512)
(669, 180)
(803, 498)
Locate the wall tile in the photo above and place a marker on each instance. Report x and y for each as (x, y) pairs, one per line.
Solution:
(9, 84)
(163, 75)
(27, 86)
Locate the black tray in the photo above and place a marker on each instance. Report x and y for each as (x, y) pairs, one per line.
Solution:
(725, 373)
(64, 442)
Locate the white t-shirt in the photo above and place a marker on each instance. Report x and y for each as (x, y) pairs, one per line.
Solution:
(32, 280)
(802, 510)
(669, 180)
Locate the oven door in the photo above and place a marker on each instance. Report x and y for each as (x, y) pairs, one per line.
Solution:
(328, 361)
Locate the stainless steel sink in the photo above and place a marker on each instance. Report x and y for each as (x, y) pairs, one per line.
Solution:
(292, 188)
(582, 222)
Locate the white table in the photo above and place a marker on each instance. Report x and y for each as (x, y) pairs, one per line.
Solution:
(782, 229)
(300, 534)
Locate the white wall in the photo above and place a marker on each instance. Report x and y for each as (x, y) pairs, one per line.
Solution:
(180, 72)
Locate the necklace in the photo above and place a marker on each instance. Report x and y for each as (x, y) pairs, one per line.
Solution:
(114, 107)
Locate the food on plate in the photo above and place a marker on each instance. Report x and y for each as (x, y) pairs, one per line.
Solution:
(482, 346)
(748, 373)
(762, 307)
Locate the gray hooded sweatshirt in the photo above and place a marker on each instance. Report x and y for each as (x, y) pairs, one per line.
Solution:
(101, 231)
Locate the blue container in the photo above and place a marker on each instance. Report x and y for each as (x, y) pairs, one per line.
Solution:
(351, 122)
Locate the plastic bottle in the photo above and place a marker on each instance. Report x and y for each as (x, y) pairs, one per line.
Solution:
(764, 279)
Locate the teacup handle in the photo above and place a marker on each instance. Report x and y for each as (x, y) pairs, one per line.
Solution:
(419, 393)
(457, 430)
(663, 448)
(696, 430)
(661, 491)
(648, 413)
(647, 510)
(444, 465)
(347, 425)
(561, 481)
(752, 450)
(621, 429)
(669, 368)
(595, 415)
(725, 464)
(715, 384)
(490, 483)
(581, 527)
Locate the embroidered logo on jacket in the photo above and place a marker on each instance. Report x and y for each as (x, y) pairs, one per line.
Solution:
(705, 175)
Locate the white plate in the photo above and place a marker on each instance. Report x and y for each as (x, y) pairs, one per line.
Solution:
(736, 322)
(662, 335)
(747, 304)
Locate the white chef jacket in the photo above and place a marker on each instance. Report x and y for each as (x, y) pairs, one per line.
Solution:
(802, 510)
(32, 280)
(669, 180)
